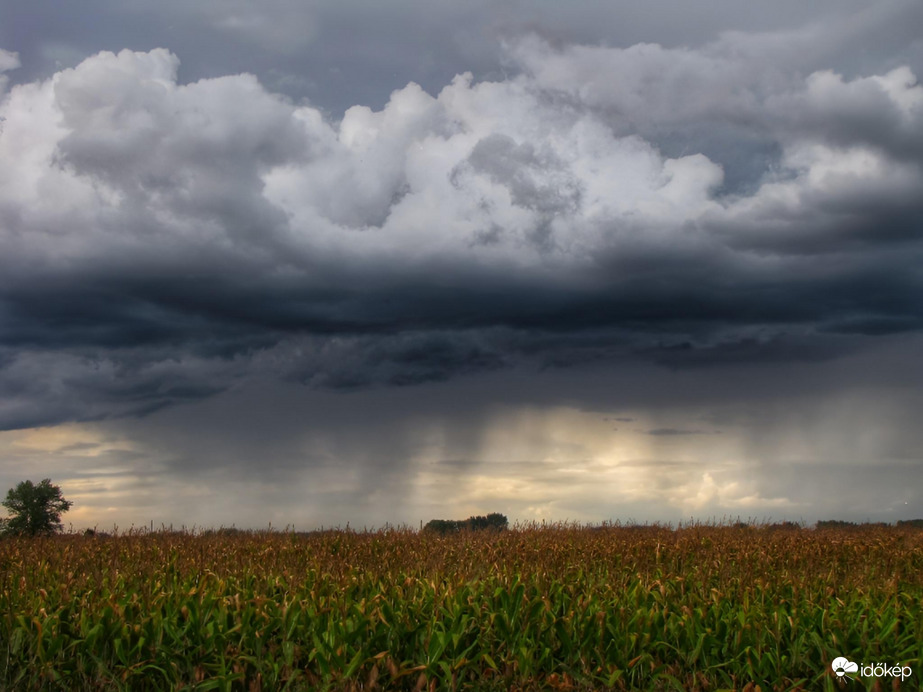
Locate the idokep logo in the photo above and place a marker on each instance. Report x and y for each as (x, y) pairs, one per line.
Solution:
(844, 668)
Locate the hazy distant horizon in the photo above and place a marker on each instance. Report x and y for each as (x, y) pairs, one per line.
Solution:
(731, 523)
(361, 263)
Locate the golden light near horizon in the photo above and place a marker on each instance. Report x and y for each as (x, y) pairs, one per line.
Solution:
(93, 466)
(530, 462)
(567, 462)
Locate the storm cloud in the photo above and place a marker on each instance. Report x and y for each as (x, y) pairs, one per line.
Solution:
(205, 225)
(534, 193)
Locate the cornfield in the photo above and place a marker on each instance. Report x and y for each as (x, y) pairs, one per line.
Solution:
(557, 608)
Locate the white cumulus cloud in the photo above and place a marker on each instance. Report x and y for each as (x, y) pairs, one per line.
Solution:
(138, 211)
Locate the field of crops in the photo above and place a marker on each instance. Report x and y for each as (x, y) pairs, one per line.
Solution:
(695, 608)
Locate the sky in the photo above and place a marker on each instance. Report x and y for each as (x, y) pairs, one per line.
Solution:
(309, 264)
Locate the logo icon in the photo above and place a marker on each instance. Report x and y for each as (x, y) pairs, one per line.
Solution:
(842, 666)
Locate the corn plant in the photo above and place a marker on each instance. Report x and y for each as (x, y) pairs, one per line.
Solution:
(554, 607)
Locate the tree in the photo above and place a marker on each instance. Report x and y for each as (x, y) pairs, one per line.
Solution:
(35, 509)
(493, 522)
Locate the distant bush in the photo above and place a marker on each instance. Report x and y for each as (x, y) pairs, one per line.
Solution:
(835, 524)
(839, 524)
(784, 526)
(93, 533)
(492, 522)
(911, 523)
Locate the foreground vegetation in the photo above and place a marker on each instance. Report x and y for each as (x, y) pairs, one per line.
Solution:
(696, 608)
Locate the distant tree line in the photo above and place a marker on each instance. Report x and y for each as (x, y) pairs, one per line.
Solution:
(835, 524)
(492, 522)
(839, 524)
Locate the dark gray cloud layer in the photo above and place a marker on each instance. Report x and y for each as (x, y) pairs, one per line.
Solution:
(735, 194)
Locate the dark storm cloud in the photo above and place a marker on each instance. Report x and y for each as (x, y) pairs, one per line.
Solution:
(53, 386)
(513, 441)
(743, 196)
